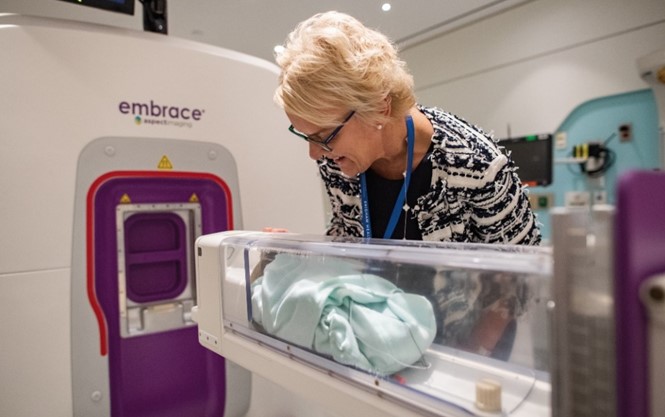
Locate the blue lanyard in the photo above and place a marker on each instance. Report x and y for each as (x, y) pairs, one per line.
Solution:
(401, 198)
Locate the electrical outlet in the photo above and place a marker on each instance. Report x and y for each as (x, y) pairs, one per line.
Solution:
(541, 201)
(626, 132)
(578, 199)
(560, 140)
(600, 197)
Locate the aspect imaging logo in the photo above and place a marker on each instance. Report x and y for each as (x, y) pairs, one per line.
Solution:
(151, 113)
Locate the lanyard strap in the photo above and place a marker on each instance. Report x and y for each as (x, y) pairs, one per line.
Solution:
(401, 198)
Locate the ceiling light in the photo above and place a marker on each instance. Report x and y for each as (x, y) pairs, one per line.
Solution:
(278, 49)
(385, 7)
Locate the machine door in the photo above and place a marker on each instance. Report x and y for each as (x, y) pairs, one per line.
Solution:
(144, 231)
(135, 349)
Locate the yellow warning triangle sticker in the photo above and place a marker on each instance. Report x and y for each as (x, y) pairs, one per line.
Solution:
(125, 199)
(194, 198)
(164, 163)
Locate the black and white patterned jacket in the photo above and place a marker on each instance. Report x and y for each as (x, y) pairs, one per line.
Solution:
(475, 193)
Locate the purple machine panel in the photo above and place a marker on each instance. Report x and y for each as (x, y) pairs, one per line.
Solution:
(639, 254)
(166, 373)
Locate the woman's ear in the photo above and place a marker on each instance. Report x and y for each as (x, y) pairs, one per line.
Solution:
(387, 110)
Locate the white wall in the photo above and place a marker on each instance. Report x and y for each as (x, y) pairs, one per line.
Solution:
(532, 65)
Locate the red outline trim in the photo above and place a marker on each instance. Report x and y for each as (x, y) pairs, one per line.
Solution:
(90, 232)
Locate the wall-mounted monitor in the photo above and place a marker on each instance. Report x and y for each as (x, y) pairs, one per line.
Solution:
(533, 156)
(120, 6)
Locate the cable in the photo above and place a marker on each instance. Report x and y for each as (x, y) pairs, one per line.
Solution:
(612, 136)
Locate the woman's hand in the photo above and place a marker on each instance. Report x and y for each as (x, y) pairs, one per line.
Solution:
(275, 230)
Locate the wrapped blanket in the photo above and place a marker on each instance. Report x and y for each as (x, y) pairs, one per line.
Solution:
(328, 306)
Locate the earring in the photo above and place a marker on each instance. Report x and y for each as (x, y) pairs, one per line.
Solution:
(379, 127)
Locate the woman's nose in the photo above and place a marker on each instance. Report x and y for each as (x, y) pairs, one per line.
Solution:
(315, 151)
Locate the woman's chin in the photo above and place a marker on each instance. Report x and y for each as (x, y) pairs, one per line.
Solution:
(348, 169)
(350, 173)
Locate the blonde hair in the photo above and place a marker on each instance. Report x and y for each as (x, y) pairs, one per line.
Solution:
(333, 61)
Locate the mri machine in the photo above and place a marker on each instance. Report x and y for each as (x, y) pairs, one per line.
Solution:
(143, 171)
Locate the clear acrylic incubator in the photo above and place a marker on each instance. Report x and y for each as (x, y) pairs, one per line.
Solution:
(415, 327)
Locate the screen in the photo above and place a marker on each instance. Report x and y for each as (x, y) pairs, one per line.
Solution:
(121, 6)
(533, 156)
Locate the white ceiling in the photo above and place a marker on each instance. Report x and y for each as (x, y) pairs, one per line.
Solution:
(256, 26)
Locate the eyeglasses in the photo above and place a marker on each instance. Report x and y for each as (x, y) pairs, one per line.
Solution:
(322, 142)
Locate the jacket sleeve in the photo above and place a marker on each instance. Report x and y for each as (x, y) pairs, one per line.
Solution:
(477, 195)
(500, 209)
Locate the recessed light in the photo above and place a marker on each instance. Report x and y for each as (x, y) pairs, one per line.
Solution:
(278, 49)
(385, 7)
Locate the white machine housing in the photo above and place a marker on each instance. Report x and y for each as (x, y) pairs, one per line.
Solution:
(81, 102)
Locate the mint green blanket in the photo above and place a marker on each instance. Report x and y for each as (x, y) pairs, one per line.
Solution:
(328, 306)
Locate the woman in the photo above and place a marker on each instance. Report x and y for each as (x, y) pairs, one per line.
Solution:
(396, 169)
(346, 92)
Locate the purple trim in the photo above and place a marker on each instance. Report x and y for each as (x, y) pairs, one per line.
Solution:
(639, 243)
(166, 374)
